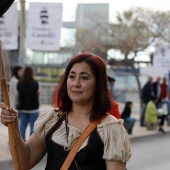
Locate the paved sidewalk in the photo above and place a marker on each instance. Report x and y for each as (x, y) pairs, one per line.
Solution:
(138, 132)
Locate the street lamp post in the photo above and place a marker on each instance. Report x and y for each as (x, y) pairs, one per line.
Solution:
(22, 36)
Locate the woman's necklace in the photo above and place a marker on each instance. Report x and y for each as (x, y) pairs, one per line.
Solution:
(67, 147)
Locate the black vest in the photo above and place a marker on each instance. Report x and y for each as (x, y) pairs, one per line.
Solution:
(88, 158)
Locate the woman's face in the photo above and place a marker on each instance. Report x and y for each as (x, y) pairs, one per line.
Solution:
(81, 83)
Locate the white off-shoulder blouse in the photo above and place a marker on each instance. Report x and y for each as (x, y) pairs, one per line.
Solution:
(113, 134)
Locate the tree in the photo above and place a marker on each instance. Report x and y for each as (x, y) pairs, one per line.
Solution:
(134, 31)
(163, 22)
(93, 36)
(89, 41)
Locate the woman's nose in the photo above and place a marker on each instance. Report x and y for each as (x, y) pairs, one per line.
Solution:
(77, 83)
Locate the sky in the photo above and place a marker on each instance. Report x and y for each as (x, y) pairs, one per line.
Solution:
(118, 4)
(115, 6)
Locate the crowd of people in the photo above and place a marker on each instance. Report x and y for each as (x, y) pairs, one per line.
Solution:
(154, 96)
(156, 105)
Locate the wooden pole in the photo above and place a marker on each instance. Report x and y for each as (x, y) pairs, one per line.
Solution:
(11, 132)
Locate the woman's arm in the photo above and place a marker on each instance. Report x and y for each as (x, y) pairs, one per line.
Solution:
(115, 165)
(30, 152)
(35, 150)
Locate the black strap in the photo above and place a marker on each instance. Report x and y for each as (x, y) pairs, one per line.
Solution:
(59, 122)
(67, 133)
(79, 142)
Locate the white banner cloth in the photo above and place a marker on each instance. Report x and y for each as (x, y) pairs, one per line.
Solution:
(162, 56)
(44, 26)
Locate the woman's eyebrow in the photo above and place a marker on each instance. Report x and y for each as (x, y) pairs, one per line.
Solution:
(73, 72)
(84, 73)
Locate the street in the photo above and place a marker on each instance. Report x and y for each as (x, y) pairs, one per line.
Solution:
(151, 153)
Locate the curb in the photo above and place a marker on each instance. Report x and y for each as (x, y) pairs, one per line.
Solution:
(145, 137)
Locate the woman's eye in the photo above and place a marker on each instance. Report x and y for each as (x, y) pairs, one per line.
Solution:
(71, 77)
(85, 78)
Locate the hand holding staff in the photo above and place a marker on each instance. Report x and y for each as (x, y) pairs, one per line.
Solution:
(4, 76)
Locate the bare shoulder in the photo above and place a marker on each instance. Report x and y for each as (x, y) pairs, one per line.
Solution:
(109, 118)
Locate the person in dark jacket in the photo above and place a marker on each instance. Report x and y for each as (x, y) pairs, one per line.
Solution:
(128, 121)
(147, 93)
(28, 104)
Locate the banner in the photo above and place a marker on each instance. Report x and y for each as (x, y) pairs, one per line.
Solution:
(9, 28)
(161, 56)
(44, 26)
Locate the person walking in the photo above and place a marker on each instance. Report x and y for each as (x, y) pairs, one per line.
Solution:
(13, 93)
(28, 104)
(126, 115)
(82, 98)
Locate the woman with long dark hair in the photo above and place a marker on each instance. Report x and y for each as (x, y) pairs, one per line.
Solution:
(83, 97)
(126, 115)
(28, 104)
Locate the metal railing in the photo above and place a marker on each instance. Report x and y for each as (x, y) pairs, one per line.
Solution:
(45, 92)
